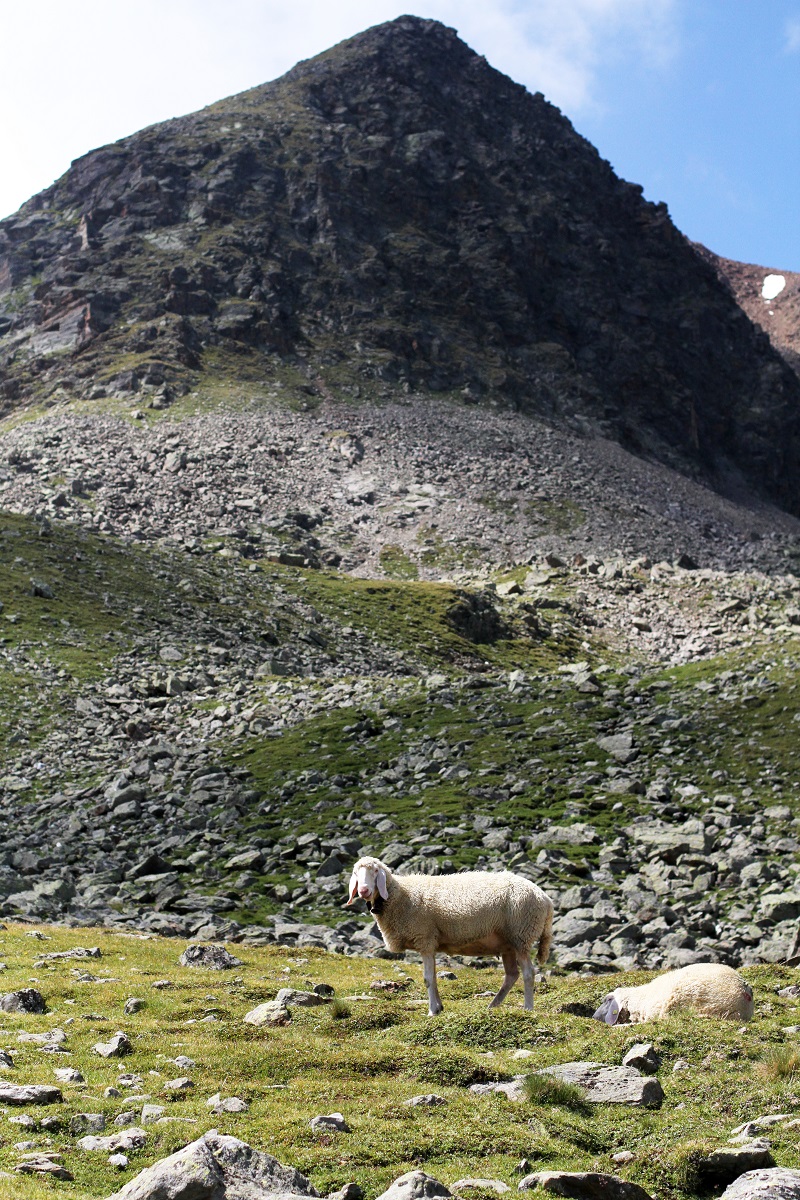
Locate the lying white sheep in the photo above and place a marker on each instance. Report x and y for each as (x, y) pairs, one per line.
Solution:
(709, 989)
(475, 912)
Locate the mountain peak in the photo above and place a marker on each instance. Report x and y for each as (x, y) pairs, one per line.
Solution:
(393, 215)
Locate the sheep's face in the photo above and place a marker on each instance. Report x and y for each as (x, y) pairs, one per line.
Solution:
(368, 880)
(611, 1011)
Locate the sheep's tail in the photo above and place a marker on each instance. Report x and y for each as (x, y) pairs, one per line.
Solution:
(545, 938)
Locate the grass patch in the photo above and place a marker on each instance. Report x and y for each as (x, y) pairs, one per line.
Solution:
(781, 1063)
(547, 1090)
(396, 564)
(366, 1065)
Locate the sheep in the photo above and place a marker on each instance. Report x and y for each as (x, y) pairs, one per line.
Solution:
(710, 989)
(475, 912)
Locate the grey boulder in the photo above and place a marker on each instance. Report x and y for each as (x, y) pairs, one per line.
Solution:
(729, 1162)
(643, 1057)
(334, 1121)
(209, 955)
(291, 996)
(465, 1186)
(610, 1085)
(216, 1167)
(132, 1138)
(29, 1093)
(270, 1013)
(584, 1185)
(26, 1000)
(117, 1047)
(414, 1185)
(514, 1091)
(776, 1183)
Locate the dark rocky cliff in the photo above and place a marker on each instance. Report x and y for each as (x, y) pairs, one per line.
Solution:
(394, 213)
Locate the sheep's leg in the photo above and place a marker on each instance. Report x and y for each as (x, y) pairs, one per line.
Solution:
(512, 975)
(429, 975)
(527, 978)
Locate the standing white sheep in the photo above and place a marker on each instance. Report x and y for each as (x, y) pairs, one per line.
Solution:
(475, 912)
(709, 989)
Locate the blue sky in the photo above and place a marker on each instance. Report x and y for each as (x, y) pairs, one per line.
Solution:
(697, 100)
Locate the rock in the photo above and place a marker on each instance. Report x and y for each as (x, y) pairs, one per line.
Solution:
(671, 841)
(30, 1093)
(270, 1013)
(414, 1185)
(126, 1118)
(231, 1104)
(212, 957)
(776, 1183)
(68, 1075)
(182, 1084)
(133, 1005)
(118, 1046)
(128, 1139)
(610, 1085)
(350, 1191)
(216, 1167)
(429, 1099)
(245, 860)
(53, 1038)
(331, 1121)
(465, 1186)
(729, 1162)
(87, 1123)
(785, 906)
(118, 1160)
(643, 1057)
(128, 1079)
(753, 1127)
(151, 1113)
(45, 1164)
(584, 1185)
(6, 1061)
(290, 996)
(514, 1091)
(27, 1000)
(619, 745)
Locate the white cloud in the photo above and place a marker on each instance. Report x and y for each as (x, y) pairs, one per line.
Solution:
(73, 79)
(792, 35)
(559, 47)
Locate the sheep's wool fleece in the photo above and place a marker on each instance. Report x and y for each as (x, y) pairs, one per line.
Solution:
(464, 908)
(710, 989)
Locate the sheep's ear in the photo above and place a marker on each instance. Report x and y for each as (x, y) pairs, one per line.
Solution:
(352, 887)
(382, 891)
(608, 1010)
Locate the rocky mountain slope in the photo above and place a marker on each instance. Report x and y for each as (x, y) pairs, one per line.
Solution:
(393, 212)
(270, 601)
(769, 296)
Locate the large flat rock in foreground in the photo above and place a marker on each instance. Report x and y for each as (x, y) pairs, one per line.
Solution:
(29, 1093)
(216, 1167)
(584, 1185)
(775, 1183)
(610, 1085)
